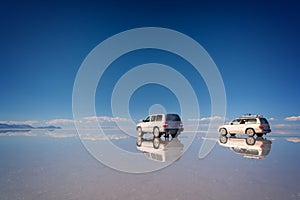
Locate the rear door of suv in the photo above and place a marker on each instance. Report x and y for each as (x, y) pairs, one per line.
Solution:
(264, 122)
(173, 121)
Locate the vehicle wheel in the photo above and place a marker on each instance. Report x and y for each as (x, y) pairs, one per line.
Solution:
(259, 134)
(250, 132)
(156, 132)
(174, 135)
(156, 143)
(140, 132)
(223, 131)
(223, 139)
(139, 141)
(250, 140)
(232, 134)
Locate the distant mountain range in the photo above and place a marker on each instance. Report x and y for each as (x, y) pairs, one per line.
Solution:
(25, 126)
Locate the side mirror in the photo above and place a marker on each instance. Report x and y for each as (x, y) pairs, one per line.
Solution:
(231, 123)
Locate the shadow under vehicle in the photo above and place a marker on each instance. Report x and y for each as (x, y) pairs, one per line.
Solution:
(160, 150)
(249, 147)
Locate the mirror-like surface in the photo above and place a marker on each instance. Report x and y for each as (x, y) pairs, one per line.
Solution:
(249, 147)
(161, 150)
(55, 165)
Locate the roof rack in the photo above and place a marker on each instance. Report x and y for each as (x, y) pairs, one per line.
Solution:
(250, 115)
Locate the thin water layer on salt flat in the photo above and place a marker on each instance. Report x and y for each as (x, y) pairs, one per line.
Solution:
(55, 165)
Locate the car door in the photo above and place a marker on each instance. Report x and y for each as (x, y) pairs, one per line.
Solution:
(234, 126)
(146, 124)
(152, 123)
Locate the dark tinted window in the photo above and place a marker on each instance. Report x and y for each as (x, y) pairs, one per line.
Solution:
(173, 117)
(159, 118)
(153, 118)
(251, 121)
(263, 121)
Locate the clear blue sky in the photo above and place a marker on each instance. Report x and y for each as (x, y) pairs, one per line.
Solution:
(255, 46)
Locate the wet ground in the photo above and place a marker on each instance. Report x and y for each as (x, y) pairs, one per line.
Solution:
(56, 165)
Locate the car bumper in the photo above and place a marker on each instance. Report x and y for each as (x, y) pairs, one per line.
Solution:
(264, 131)
(174, 130)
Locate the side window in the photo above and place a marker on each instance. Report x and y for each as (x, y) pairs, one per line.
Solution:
(251, 121)
(153, 118)
(159, 118)
(236, 121)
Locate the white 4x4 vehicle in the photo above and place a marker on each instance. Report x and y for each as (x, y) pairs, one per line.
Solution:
(248, 124)
(160, 124)
(248, 147)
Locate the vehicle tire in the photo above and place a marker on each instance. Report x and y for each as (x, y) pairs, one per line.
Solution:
(250, 132)
(140, 132)
(223, 139)
(259, 134)
(250, 140)
(174, 135)
(223, 131)
(156, 143)
(156, 132)
(139, 141)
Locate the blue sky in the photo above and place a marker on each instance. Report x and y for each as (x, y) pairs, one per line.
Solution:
(254, 45)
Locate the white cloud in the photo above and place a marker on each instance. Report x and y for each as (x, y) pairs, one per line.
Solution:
(94, 137)
(28, 122)
(285, 128)
(292, 118)
(60, 135)
(282, 125)
(25, 133)
(59, 121)
(105, 119)
(293, 139)
(272, 119)
(203, 119)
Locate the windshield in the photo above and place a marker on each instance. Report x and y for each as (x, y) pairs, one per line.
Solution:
(173, 117)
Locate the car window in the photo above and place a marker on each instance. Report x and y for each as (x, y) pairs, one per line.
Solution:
(153, 118)
(251, 121)
(263, 121)
(159, 118)
(236, 121)
(172, 117)
(147, 119)
(245, 151)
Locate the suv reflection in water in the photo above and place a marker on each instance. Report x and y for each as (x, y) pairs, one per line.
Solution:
(160, 150)
(248, 147)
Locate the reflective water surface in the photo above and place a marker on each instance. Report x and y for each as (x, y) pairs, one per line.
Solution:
(55, 165)
(249, 147)
(157, 149)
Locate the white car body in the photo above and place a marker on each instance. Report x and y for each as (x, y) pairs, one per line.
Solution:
(250, 124)
(159, 124)
(159, 150)
(247, 147)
